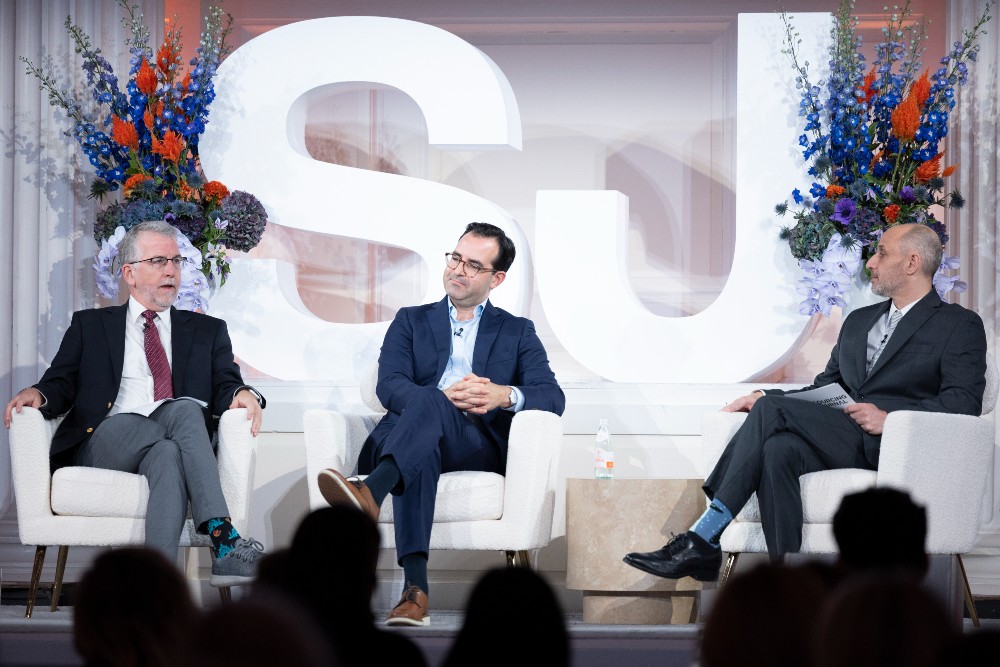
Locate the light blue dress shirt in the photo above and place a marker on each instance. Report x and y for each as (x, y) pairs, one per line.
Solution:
(463, 343)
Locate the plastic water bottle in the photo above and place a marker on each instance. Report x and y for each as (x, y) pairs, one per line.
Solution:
(604, 455)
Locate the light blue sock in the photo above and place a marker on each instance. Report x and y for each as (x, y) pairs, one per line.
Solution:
(710, 525)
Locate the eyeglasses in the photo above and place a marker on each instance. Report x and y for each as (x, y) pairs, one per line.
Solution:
(472, 267)
(160, 262)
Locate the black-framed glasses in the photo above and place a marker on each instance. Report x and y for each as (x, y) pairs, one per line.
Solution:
(161, 262)
(472, 267)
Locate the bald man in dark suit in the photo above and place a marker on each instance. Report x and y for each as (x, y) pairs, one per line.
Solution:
(910, 352)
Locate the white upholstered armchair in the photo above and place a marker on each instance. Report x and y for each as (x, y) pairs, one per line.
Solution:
(941, 460)
(475, 511)
(80, 506)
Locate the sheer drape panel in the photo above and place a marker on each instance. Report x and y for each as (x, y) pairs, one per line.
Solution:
(46, 243)
(973, 143)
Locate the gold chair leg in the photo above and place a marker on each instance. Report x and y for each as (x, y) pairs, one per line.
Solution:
(969, 602)
(36, 574)
(225, 594)
(727, 569)
(60, 570)
(519, 558)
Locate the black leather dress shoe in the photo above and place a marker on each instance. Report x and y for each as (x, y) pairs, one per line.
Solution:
(683, 556)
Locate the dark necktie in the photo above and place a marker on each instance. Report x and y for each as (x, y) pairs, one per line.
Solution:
(163, 386)
(893, 320)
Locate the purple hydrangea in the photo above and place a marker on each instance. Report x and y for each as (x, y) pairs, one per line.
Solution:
(246, 220)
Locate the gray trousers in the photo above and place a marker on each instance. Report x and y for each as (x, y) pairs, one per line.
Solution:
(172, 449)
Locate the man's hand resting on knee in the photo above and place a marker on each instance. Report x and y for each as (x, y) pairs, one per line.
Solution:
(868, 417)
(743, 403)
(477, 395)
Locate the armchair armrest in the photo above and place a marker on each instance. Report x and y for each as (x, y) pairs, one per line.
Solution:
(30, 441)
(943, 461)
(533, 450)
(237, 454)
(333, 440)
(717, 429)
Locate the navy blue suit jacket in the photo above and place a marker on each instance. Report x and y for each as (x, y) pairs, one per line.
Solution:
(85, 375)
(416, 349)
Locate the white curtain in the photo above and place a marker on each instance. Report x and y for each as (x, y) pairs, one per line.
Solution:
(973, 143)
(46, 243)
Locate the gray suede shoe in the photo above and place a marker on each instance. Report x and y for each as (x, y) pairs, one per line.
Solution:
(238, 566)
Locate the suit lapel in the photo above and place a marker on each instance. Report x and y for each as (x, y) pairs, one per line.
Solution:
(907, 326)
(438, 320)
(182, 330)
(489, 327)
(859, 343)
(114, 333)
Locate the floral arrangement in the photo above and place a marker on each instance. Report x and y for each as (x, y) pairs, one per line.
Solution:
(873, 144)
(144, 142)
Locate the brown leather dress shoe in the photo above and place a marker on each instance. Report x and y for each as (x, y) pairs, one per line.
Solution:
(339, 490)
(411, 610)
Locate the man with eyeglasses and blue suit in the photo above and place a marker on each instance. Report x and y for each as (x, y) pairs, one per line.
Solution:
(114, 376)
(451, 374)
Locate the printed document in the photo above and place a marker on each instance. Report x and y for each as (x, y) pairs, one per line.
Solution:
(832, 395)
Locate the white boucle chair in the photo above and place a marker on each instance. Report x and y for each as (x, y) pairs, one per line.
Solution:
(80, 506)
(475, 511)
(941, 460)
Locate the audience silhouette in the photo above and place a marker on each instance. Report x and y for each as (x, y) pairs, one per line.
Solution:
(133, 608)
(881, 530)
(523, 604)
(330, 570)
(763, 618)
(261, 630)
(878, 621)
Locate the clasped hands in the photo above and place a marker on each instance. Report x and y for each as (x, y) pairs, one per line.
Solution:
(866, 415)
(477, 395)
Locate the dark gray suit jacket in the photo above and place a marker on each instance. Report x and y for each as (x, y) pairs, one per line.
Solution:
(935, 361)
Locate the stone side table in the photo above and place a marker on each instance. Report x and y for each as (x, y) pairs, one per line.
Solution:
(607, 518)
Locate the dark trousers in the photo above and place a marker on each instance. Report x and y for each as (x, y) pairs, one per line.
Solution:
(782, 439)
(430, 437)
(173, 450)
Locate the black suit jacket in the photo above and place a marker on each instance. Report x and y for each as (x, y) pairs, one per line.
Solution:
(934, 361)
(85, 375)
(416, 349)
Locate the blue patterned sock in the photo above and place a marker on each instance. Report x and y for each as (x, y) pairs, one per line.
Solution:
(223, 536)
(710, 525)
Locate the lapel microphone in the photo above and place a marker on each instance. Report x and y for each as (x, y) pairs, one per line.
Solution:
(458, 332)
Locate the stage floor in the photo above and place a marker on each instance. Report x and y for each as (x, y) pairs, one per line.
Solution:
(47, 639)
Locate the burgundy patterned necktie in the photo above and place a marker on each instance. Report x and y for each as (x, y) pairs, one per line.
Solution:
(163, 386)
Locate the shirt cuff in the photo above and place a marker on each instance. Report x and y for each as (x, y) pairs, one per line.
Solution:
(518, 403)
(260, 397)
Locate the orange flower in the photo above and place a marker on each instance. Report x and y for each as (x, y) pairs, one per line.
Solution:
(215, 190)
(170, 147)
(147, 120)
(145, 78)
(834, 191)
(949, 170)
(929, 169)
(165, 57)
(134, 181)
(921, 90)
(186, 81)
(184, 191)
(124, 133)
(906, 119)
(869, 90)
(891, 212)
